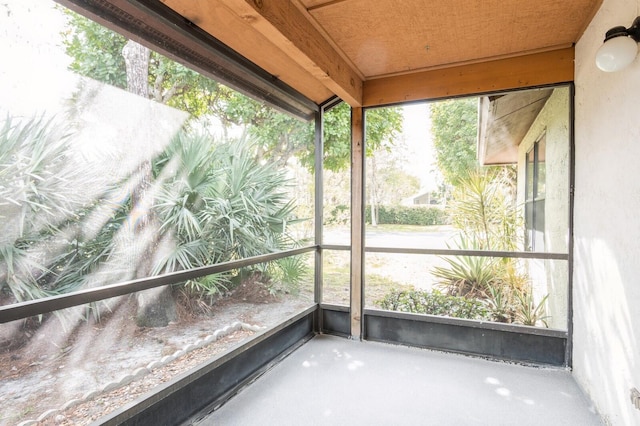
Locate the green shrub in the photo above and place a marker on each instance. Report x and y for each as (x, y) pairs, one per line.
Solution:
(434, 303)
(337, 215)
(408, 215)
(484, 211)
(223, 204)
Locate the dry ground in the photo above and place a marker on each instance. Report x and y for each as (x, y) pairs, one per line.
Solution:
(55, 366)
(46, 367)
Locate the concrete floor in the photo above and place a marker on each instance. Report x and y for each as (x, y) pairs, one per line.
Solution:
(336, 381)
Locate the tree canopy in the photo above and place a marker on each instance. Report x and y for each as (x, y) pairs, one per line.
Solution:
(97, 53)
(454, 124)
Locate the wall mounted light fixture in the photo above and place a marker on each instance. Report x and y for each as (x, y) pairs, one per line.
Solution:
(620, 47)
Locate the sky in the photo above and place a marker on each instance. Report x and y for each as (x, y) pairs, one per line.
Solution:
(32, 68)
(419, 153)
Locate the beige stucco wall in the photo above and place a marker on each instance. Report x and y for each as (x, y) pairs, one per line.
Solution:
(551, 276)
(606, 288)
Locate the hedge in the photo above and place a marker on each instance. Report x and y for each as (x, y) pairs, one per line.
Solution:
(390, 215)
(408, 215)
(434, 303)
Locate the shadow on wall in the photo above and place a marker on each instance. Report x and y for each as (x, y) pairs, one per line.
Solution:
(604, 315)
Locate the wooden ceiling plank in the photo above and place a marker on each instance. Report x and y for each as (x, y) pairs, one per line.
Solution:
(221, 23)
(505, 74)
(392, 37)
(284, 25)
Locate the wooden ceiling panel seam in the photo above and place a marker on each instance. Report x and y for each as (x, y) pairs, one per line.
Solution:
(312, 20)
(318, 4)
(285, 25)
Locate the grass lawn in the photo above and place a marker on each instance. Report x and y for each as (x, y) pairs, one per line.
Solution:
(336, 274)
(407, 228)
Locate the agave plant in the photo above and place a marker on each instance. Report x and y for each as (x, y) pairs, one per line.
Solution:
(486, 215)
(528, 311)
(467, 275)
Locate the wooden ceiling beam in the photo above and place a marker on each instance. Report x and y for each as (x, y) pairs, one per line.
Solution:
(281, 22)
(537, 69)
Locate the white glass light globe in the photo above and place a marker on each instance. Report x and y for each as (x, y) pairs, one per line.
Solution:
(617, 53)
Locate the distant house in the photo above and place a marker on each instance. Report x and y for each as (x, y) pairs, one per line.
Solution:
(421, 199)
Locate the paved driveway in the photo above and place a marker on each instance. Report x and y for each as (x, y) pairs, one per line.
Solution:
(406, 269)
(377, 237)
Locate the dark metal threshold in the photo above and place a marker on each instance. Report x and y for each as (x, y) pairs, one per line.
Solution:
(335, 320)
(530, 345)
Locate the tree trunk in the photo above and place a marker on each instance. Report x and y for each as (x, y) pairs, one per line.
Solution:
(373, 198)
(136, 59)
(156, 307)
(374, 214)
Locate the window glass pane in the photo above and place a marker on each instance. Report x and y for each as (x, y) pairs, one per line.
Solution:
(528, 222)
(538, 228)
(105, 179)
(337, 176)
(499, 167)
(114, 169)
(530, 174)
(94, 359)
(406, 193)
(514, 291)
(336, 277)
(542, 170)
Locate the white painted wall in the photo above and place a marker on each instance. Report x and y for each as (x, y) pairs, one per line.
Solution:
(607, 223)
(550, 277)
